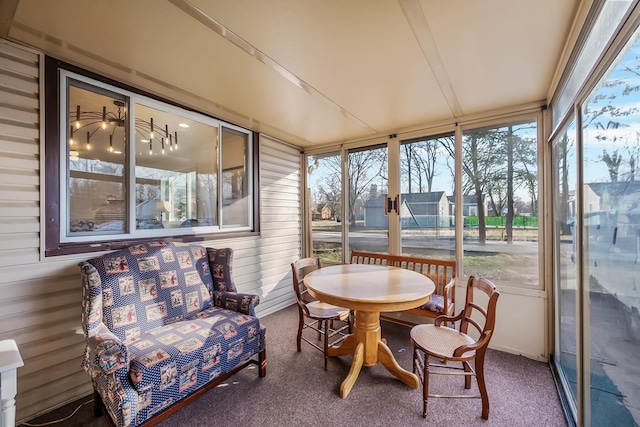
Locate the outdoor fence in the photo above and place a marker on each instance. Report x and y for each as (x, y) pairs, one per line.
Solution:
(448, 221)
(501, 221)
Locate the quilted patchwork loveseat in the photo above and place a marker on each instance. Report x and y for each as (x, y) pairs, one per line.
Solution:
(164, 323)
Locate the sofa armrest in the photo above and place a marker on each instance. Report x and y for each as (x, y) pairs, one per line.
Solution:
(106, 354)
(242, 303)
(448, 291)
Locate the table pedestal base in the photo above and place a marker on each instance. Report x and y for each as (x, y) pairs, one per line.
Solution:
(369, 349)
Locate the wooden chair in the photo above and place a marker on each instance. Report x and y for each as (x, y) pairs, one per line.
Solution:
(316, 315)
(443, 274)
(450, 345)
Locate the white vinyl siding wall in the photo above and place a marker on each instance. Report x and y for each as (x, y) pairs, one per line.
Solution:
(280, 220)
(40, 298)
(19, 155)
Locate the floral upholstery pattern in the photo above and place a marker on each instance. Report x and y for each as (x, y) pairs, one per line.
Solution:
(154, 332)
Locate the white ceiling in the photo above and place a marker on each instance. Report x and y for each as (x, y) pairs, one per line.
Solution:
(312, 72)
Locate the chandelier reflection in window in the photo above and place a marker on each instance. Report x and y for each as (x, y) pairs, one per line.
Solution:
(85, 125)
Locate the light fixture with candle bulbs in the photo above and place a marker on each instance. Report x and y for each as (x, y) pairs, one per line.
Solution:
(112, 122)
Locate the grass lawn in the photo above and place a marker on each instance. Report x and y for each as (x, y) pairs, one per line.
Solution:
(503, 268)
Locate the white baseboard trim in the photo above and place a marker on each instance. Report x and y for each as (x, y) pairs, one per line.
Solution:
(538, 357)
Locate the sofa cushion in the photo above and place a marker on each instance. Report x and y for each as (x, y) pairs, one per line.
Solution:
(150, 285)
(220, 261)
(187, 354)
(435, 304)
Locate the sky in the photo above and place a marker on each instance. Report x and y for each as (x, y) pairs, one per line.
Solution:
(626, 138)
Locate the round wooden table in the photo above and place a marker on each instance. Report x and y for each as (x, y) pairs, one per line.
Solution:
(369, 290)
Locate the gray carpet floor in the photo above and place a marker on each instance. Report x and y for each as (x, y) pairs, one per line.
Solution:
(297, 391)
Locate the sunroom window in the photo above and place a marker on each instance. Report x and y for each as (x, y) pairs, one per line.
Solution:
(133, 167)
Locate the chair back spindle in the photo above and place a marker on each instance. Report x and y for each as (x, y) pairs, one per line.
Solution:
(316, 315)
(298, 271)
(471, 307)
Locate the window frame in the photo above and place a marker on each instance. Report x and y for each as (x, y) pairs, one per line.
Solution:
(534, 115)
(55, 172)
(531, 114)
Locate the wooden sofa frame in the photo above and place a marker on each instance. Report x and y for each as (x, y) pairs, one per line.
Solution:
(99, 408)
(443, 274)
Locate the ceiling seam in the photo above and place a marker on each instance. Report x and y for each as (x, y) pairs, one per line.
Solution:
(215, 108)
(420, 27)
(209, 22)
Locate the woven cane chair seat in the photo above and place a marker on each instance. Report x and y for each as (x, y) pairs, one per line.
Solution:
(323, 310)
(440, 341)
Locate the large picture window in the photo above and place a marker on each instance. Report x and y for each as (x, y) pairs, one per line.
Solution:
(132, 167)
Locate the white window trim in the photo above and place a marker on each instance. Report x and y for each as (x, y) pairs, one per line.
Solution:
(133, 233)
